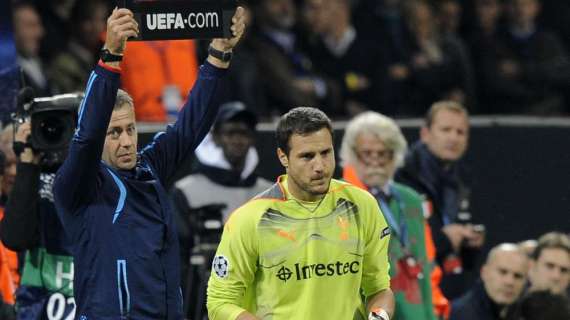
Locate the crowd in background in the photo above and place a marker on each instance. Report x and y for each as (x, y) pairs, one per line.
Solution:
(393, 56)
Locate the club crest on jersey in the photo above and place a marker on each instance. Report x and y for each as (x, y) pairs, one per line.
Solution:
(221, 266)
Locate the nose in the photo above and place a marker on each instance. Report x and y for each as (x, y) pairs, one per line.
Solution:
(556, 274)
(125, 140)
(318, 164)
(509, 280)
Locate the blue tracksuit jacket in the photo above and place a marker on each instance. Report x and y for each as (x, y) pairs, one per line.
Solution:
(125, 244)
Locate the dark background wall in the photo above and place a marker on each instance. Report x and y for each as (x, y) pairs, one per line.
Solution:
(520, 172)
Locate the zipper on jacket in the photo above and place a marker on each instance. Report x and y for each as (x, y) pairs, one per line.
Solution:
(123, 289)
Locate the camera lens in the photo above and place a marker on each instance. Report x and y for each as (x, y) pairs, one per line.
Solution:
(52, 130)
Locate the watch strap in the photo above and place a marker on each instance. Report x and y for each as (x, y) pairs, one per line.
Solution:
(224, 56)
(107, 56)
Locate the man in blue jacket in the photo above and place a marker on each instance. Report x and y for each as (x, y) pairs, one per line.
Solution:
(111, 198)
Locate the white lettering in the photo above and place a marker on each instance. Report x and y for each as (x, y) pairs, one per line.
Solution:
(167, 21)
(60, 275)
(161, 21)
(170, 20)
(151, 21)
(55, 306)
(199, 23)
(71, 302)
(179, 22)
(190, 23)
(203, 20)
(212, 17)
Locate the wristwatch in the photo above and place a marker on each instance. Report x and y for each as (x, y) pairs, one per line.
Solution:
(224, 56)
(107, 56)
(378, 314)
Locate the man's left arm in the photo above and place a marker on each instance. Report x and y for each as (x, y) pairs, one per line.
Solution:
(381, 305)
(376, 267)
(170, 148)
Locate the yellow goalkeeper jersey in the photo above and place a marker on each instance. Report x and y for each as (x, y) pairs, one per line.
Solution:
(282, 259)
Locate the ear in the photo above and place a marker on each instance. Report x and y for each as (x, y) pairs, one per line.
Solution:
(283, 158)
(424, 134)
(483, 272)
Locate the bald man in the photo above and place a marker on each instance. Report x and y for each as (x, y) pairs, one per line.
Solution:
(503, 277)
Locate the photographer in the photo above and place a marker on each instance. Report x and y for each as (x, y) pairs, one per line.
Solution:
(31, 223)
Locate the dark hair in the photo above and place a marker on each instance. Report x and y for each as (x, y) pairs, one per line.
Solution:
(551, 240)
(300, 120)
(543, 305)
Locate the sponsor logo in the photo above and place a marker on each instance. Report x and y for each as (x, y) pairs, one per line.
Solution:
(318, 270)
(385, 232)
(173, 21)
(221, 265)
(284, 274)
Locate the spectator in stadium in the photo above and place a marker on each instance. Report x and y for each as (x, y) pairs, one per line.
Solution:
(482, 37)
(8, 269)
(433, 168)
(550, 264)
(70, 68)
(543, 305)
(287, 76)
(503, 278)
(383, 20)
(223, 179)
(308, 238)
(31, 225)
(28, 33)
(373, 147)
(528, 70)
(430, 69)
(55, 18)
(111, 199)
(9, 168)
(449, 13)
(345, 55)
(226, 162)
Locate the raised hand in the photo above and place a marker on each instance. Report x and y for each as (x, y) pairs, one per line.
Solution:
(237, 28)
(121, 25)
